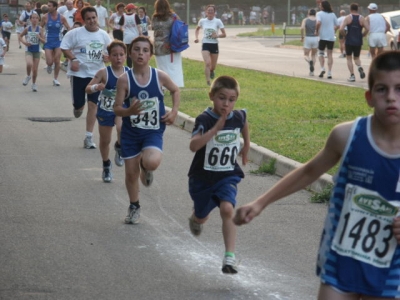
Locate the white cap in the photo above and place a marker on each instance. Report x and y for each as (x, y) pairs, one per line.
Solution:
(372, 6)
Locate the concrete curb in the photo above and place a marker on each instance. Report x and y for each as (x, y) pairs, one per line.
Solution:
(260, 155)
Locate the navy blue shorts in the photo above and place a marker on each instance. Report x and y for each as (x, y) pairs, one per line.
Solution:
(210, 47)
(353, 50)
(78, 86)
(325, 44)
(52, 44)
(208, 196)
(133, 143)
(105, 118)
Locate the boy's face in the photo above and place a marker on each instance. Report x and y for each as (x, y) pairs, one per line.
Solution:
(140, 53)
(224, 101)
(384, 96)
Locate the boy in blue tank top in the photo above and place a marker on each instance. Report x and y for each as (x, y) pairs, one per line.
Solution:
(214, 173)
(140, 103)
(359, 256)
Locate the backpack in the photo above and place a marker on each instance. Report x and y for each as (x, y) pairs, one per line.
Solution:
(179, 36)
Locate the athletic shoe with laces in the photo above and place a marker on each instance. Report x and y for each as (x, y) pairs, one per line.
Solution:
(26, 80)
(321, 75)
(329, 75)
(133, 215)
(34, 87)
(49, 69)
(212, 74)
(362, 74)
(342, 55)
(117, 158)
(195, 228)
(107, 174)
(311, 73)
(311, 66)
(65, 63)
(56, 82)
(352, 78)
(88, 143)
(146, 177)
(77, 112)
(229, 265)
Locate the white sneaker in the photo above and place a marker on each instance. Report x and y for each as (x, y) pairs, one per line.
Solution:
(88, 143)
(26, 80)
(34, 87)
(352, 78)
(49, 69)
(56, 82)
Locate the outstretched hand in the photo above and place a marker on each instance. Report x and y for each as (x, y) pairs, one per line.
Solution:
(246, 213)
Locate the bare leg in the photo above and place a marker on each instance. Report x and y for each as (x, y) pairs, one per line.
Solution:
(91, 116)
(228, 227)
(105, 140)
(207, 64)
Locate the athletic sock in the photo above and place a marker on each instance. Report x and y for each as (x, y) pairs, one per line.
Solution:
(106, 163)
(134, 204)
(230, 254)
(90, 134)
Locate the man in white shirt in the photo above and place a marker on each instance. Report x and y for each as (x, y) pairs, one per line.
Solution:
(102, 16)
(342, 37)
(85, 47)
(61, 8)
(377, 26)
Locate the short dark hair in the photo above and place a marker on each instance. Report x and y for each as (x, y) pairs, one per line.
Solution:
(141, 38)
(55, 3)
(87, 9)
(312, 12)
(387, 61)
(116, 43)
(224, 82)
(354, 6)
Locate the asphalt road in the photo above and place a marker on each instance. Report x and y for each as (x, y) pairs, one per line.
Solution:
(62, 234)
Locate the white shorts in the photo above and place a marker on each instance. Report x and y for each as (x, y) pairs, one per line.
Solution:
(377, 39)
(172, 65)
(310, 42)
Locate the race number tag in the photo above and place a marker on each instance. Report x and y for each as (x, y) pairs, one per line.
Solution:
(365, 231)
(149, 117)
(107, 99)
(33, 38)
(221, 151)
(94, 52)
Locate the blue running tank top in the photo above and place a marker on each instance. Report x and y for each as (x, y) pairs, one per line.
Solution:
(358, 252)
(143, 23)
(54, 28)
(107, 96)
(152, 98)
(354, 32)
(32, 37)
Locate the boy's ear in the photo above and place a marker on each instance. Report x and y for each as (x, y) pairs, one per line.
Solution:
(210, 95)
(368, 97)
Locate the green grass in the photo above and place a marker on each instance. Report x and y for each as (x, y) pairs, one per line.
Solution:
(290, 116)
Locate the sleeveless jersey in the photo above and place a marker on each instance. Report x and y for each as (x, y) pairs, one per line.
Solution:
(377, 23)
(32, 37)
(54, 28)
(107, 96)
(217, 159)
(143, 23)
(358, 252)
(310, 27)
(152, 99)
(354, 32)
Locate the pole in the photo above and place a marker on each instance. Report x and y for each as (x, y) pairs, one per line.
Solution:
(288, 12)
(188, 12)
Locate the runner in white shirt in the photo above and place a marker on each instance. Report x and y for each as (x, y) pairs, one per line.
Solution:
(377, 26)
(85, 47)
(102, 16)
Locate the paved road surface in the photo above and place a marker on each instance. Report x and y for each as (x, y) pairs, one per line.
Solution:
(62, 234)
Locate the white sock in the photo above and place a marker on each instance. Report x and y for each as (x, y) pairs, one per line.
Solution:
(89, 134)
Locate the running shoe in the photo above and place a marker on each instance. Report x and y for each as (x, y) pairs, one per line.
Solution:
(77, 112)
(26, 80)
(329, 75)
(49, 69)
(107, 174)
(362, 74)
(229, 265)
(321, 75)
(342, 55)
(352, 78)
(133, 215)
(212, 74)
(195, 228)
(34, 87)
(311, 74)
(146, 177)
(65, 63)
(56, 82)
(311, 66)
(117, 158)
(88, 143)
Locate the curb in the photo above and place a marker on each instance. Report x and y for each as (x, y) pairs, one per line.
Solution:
(260, 155)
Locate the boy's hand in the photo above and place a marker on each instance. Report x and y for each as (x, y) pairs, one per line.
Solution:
(221, 122)
(136, 107)
(243, 153)
(246, 213)
(169, 117)
(100, 86)
(396, 229)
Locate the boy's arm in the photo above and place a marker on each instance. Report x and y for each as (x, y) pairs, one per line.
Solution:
(166, 81)
(300, 177)
(246, 143)
(122, 92)
(96, 84)
(199, 140)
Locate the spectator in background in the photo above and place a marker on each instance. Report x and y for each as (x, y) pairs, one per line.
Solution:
(167, 61)
(61, 8)
(102, 16)
(341, 36)
(79, 4)
(240, 17)
(114, 21)
(377, 26)
(38, 9)
(308, 29)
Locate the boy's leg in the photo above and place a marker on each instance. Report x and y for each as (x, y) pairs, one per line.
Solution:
(35, 68)
(151, 159)
(132, 186)
(228, 227)
(105, 140)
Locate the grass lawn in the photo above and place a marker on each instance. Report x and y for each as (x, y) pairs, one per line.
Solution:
(290, 116)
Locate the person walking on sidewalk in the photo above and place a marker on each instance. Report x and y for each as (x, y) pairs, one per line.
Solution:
(359, 254)
(354, 40)
(31, 37)
(211, 26)
(140, 103)
(214, 172)
(310, 46)
(327, 25)
(376, 26)
(340, 36)
(53, 23)
(105, 81)
(85, 47)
